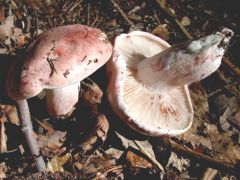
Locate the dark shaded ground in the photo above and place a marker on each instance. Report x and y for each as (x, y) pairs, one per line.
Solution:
(211, 99)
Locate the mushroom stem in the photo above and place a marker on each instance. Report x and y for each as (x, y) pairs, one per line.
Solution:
(183, 63)
(61, 101)
(27, 128)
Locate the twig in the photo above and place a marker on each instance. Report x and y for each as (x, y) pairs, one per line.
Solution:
(73, 5)
(96, 175)
(209, 174)
(122, 13)
(232, 91)
(156, 17)
(35, 17)
(162, 5)
(3, 137)
(14, 4)
(119, 167)
(88, 13)
(9, 154)
(49, 129)
(36, 22)
(27, 128)
(209, 161)
(234, 123)
(141, 148)
(53, 69)
(64, 6)
(27, 22)
(233, 67)
(185, 32)
(95, 20)
(50, 61)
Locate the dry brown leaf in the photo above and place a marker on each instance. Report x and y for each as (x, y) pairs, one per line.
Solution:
(2, 170)
(98, 135)
(57, 162)
(98, 163)
(209, 137)
(11, 113)
(135, 160)
(6, 29)
(3, 50)
(91, 91)
(126, 143)
(114, 152)
(180, 164)
(45, 125)
(21, 41)
(197, 140)
(223, 147)
(223, 119)
(161, 31)
(51, 139)
(78, 165)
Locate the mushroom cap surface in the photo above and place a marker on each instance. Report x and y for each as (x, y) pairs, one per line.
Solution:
(59, 57)
(148, 112)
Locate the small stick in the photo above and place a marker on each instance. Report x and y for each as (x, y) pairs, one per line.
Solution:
(49, 129)
(36, 22)
(95, 20)
(3, 137)
(185, 151)
(122, 13)
(28, 22)
(88, 13)
(35, 17)
(183, 29)
(73, 6)
(233, 67)
(10, 154)
(209, 174)
(234, 123)
(27, 128)
(141, 148)
(162, 5)
(96, 175)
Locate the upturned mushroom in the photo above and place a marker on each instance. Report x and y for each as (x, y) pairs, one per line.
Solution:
(148, 79)
(57, 61)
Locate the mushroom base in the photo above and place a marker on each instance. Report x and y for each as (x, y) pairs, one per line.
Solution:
(61, 101)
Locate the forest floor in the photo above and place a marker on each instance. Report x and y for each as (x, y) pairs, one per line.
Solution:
(77, 147)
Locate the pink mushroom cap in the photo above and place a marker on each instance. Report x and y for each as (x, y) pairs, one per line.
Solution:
(59, 57)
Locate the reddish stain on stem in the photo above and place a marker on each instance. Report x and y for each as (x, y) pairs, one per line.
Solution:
(157, 66)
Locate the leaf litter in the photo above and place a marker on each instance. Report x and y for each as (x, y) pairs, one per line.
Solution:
(76, 149)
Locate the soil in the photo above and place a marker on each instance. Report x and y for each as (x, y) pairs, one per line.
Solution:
(93, 143)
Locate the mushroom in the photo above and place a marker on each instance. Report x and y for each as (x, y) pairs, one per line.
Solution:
(148, 79)
(57, 61)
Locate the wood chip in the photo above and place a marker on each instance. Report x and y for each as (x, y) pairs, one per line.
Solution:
(185, 21)
(3, 138)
